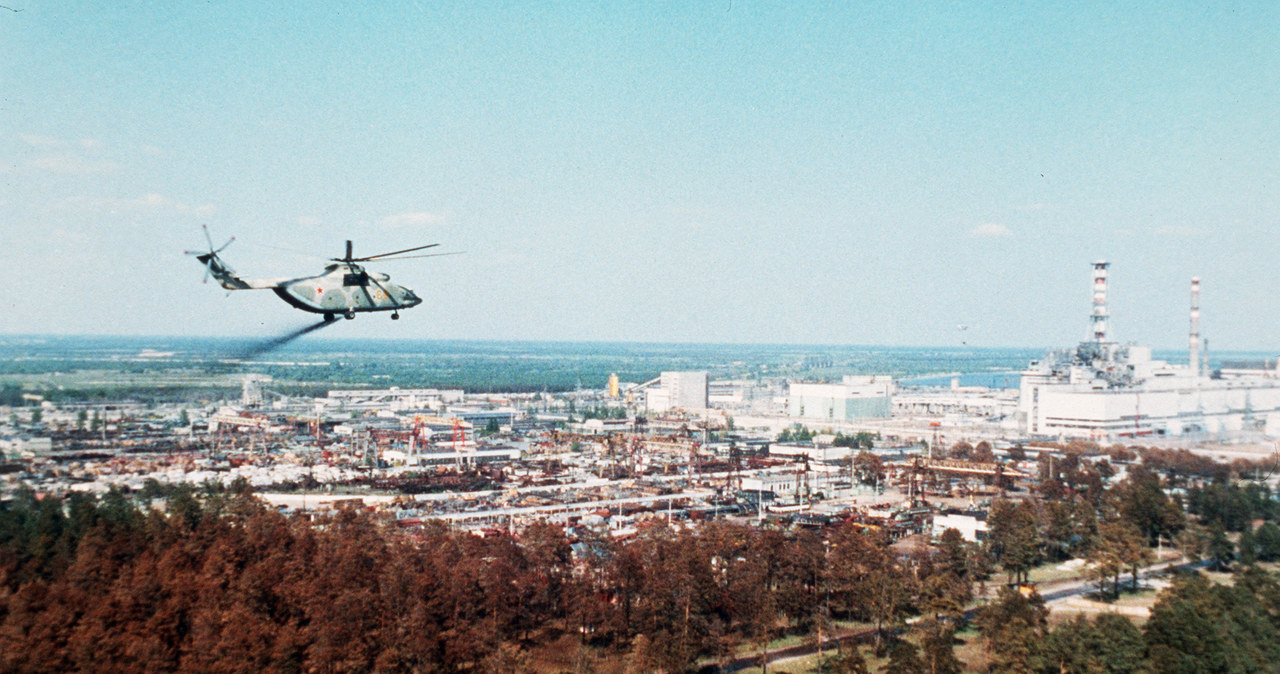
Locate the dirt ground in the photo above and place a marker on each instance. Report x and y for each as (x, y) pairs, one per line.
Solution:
(1136, 607)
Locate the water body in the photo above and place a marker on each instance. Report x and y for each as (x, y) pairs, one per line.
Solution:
(992, 380)
(511, 366)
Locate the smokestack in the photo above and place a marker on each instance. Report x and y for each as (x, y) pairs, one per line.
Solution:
(1193, 345)
(1100, 315)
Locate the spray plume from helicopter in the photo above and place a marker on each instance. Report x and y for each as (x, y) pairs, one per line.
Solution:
(237, 357)
(268, 345)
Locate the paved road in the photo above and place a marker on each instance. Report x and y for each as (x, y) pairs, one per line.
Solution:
(1059, 590)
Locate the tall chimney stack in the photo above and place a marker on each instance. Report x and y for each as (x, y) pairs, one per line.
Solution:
(1100, 315)
(1193, 345)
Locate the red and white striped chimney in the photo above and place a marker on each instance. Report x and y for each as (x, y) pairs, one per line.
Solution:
(1100, 314)
(1193, 345)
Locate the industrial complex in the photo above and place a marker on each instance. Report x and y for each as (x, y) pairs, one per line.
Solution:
(682, 444)
(1105, 390)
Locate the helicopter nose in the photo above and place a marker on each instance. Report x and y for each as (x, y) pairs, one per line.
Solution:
(411, 298)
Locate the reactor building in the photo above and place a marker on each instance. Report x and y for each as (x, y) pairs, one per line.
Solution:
(1103, 391)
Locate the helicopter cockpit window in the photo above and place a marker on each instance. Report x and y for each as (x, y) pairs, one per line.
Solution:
(361, 279)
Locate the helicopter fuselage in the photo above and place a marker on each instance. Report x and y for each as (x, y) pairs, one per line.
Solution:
(345, 289)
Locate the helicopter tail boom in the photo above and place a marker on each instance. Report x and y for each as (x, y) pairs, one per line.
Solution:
(225, 276)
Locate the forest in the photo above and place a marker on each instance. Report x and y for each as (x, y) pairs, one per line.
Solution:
(109, 368)
(213, 580)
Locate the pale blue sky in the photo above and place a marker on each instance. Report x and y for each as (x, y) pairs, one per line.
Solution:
(852, 173)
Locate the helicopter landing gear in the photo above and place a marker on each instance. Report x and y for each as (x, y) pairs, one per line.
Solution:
(349, 315)
(328, 317)
(395, 316)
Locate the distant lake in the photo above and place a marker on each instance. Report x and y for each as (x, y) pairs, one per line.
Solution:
(509, 366)
(987, 379)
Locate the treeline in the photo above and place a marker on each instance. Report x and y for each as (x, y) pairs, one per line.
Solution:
(800, 433)
(1196, 627)
(1084, 521)
(11, 396)
(478, 374)
(217, 581)
(1180, 466)
(145, 394)
(1232, 507)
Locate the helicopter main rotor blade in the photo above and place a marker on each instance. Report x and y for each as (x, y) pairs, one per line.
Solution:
(207, 238)
(415, 257)
(381, 255)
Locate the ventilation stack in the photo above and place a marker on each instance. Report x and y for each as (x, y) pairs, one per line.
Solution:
(1100, 315)
(1193, 345)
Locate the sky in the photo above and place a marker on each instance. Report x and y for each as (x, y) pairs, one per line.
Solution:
(723, 171)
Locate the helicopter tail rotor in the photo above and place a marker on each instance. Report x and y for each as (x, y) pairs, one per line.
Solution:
(214, 266)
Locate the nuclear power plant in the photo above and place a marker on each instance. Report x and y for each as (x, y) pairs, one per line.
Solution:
(1103, 390)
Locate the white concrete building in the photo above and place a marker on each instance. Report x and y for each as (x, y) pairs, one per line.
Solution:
(816, 451)
(1102, 390)
(855, 397)
(22, 444)
(678, 390)
(971, 528)
(397, 399)
(1061, 398)
(792, 486)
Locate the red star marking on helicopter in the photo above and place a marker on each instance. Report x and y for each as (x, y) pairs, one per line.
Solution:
(319, 291)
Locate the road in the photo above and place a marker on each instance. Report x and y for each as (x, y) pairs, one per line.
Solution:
(1052, 592)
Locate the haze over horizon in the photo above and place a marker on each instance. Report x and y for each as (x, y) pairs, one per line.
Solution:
(732, 172)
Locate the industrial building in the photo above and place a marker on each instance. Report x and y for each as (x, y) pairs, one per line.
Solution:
(678, 390)
(20, 443)
(793, 486)
(822, 449)
(397, 399)
(855, 397)
(1103, 390)
(972, 526)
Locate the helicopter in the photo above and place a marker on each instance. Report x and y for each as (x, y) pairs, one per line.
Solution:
(344, 287)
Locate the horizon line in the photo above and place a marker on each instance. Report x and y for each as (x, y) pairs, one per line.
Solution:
(474, 340)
